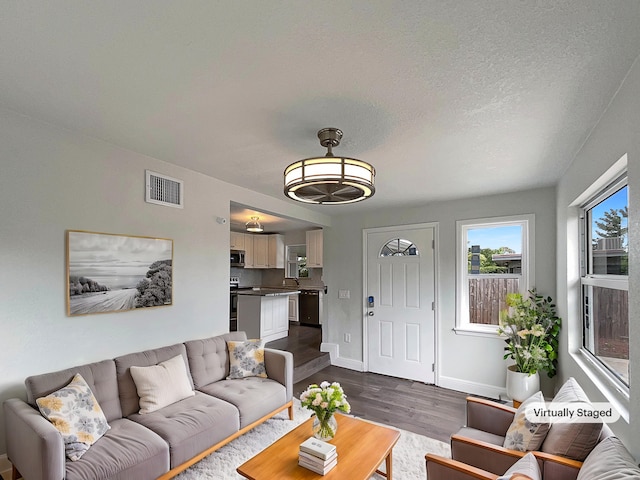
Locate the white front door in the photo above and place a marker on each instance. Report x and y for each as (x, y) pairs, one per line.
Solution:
(400, 322)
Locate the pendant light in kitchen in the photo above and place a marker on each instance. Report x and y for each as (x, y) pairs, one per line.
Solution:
(254, 226)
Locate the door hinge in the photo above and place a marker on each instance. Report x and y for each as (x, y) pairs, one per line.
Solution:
(433, 244)
(433, 367)
(433, 306)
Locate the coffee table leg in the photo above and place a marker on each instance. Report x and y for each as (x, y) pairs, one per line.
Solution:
(389, 467)
(388, 462)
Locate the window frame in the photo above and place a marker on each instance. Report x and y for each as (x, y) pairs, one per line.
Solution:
(588, 279)
(527, 223)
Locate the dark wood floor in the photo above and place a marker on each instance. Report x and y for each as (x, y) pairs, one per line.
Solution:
(424, 409)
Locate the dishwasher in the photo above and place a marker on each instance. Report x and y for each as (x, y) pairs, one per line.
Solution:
(310, 307)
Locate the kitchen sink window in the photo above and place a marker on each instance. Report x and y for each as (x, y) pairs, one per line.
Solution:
(297, 261)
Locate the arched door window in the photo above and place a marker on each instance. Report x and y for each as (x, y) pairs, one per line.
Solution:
(398, 247)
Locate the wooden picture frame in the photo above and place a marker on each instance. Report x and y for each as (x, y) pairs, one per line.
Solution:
(115, 273)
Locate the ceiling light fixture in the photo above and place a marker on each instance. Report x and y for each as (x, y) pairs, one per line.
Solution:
(329, 179)
(254, 225)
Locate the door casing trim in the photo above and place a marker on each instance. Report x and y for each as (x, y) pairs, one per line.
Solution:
(436, 266)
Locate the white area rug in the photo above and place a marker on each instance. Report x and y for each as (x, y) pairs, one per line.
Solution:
(408, 454)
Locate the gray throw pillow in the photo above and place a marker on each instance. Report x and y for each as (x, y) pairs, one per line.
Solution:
(573, 440)
(609, 460)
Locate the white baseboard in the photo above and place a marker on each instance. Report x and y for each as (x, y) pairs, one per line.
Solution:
(5, 466)
(466, 386)
(332, 349)
(349, 363)
(334, 353)
(451, 383)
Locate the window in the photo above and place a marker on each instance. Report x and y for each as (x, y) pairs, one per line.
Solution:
(604, 279)
(297, 261)
(398, 247)
(494, 258)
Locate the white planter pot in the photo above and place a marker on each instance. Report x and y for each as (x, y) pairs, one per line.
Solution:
(521, 386)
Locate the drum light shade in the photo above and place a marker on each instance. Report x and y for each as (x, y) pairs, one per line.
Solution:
(329, 179)
(254, 225)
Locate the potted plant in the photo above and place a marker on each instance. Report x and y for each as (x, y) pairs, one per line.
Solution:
(531, 327)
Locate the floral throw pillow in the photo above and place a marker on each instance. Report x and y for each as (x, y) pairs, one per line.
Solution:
(246, 359)
(75, 412)
(522, 434)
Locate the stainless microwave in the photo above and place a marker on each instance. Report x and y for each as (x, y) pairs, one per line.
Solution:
(237, 258)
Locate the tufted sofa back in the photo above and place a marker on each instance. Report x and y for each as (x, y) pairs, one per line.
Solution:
(209, 358)
(129, 399)
(100, 376)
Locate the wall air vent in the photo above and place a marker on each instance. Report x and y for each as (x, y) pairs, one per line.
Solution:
(163, 190)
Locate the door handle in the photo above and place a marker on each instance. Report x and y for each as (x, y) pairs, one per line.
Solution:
(371, 314)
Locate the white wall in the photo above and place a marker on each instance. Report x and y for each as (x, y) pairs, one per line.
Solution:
(617, 133)
(52, 180)
(468, 363)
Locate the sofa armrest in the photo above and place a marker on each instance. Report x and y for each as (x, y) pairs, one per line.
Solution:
(557, 467)
(489, 416)
(279, 365)
(440, 468)
(484, 455)
(498, 459)
(34, 446)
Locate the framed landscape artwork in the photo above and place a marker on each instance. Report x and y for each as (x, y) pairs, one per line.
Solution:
(113, 273)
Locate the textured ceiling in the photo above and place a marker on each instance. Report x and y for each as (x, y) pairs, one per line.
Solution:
(445, 98)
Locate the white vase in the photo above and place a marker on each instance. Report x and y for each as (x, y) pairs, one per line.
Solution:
(521, 386)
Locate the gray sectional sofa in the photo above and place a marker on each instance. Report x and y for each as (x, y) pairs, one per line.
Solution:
(156, 445)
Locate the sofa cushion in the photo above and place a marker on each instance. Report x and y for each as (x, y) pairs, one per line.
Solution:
(573, 440)
(480, 435)
(524, 435)
(129, 400)
(128, 450)
(192, 425)
(254, 397)
(100, 376)
(161, 385)
(609, 460)
(246, 359)
(76, 414)
(209, 358)
(527, 465)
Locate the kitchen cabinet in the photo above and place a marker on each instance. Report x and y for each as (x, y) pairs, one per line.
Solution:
(260, 251)
(264, 316)
(268, 251)
(314, 248)
(276, 251)
(293, 308)
(248, 250)
(237, 241)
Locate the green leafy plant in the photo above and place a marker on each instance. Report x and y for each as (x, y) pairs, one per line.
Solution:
(531, 327)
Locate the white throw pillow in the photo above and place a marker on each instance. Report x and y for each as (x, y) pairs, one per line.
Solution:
(75, 412)
(527, 465)
(161, 385)
(522, 434)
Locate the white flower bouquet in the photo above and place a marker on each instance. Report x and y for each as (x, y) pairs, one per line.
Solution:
(324, 400)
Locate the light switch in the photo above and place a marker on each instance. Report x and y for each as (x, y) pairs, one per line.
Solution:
(344, 294)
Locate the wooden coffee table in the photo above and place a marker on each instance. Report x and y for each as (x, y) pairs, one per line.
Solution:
(362, 446)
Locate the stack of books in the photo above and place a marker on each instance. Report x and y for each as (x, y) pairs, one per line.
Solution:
(317, 456)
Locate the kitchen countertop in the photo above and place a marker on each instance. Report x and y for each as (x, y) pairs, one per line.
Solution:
(268, 291)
